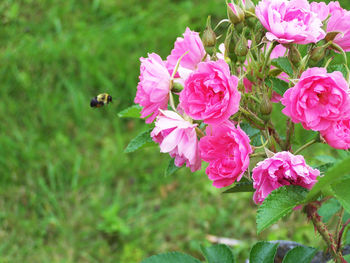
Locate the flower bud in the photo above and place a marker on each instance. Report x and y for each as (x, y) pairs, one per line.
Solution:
(259, 33)
(241, 48)
(230, 43)
(248, 5)
(235, 13)
(266, 105)
(294, 55)
(209, 37)
(317, 54)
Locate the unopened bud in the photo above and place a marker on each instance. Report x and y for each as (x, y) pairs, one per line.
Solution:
(266, 105)
(235, 13)
(294, 55)
(317, 54)
(241, 49)
(259, 33)
(209, 37)
(248, 5)
(230, 43)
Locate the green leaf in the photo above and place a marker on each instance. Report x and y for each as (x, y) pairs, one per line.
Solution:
(338, 67)
(172, 168)
(328, 209)
(241, 187)
(342, 193)
(254, 134)
(172, 257)
(347, 258)
(218, 254)
(140, 141)
(131, 112)
(284, 64)
(334, 174)
(278, 85)
(263, 252)
(278, 204)
(300, 255)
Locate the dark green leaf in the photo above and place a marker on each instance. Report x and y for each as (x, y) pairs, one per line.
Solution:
(172, 257)
(278, 85)
(131, 112)
(172, 168)
(278, 204)
(333, 175)
(284, 64)
(324, 167)
(241, 187)
(338, 67)
(342, 193)
(218, 254)
(328, 209)
(140, 141)
(300, 255)
(263, 252)
(325, 158)
(254, 134)
(347, 258)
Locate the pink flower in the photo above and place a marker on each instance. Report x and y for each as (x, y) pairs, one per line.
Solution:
(338, 135)
(153, 89)
(321, 9)
(226, 149)
(290, 21)
(190, 43)
(318, 99)
(178, 138)
(282, 169)
(210, 93)
(340, 22)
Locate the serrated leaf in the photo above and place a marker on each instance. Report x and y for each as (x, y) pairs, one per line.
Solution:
(172, 257)
(338, 67)
(140, 141)
(334, 174)
(278, 204)
(131, 112)
(254, 134)
(263, 252)
(172, 168)
(218, 254)
(284, 64)
(328, 209)
(278, 85)
(241, 187)
(300, 254)
(342, 193)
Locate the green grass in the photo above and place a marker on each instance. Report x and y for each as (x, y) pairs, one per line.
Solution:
(68, 193)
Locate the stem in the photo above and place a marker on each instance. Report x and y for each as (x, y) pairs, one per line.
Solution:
(311, 211)
(275, 134)
(341, 234)
(290, 131)
(338, 227)
(200, 133)
(305, 146)
(252, 116)
(268, 54)
(259, 154)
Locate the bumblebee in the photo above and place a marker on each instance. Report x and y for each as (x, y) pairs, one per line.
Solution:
(100, 100)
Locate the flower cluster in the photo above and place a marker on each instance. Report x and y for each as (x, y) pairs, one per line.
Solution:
(219, 89)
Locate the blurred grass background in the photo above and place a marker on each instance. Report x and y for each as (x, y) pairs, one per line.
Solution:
(68, 193)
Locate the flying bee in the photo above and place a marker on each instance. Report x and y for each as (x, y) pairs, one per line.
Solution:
(100, 100)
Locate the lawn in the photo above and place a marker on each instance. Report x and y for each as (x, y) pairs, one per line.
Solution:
(68, 192)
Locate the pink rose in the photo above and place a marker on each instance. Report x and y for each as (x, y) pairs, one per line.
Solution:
(321, 9)
(178, 138)
(318, 99)
(210, 93)
(340, 21)
(190, 43)
(338, 134)
(282, 169)
(290, 21)
(153, 89)
(226, 149)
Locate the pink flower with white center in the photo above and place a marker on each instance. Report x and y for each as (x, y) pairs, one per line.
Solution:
(153, 88)
(191, 43)
(210, 93)
(282, 169)
(318, 99)
(338, 134)
(226, 149)
(177, 137)
(290, 21)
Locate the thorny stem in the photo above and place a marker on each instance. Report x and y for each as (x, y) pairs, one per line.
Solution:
(338, 227)
(305, 146)
(290, 131)
(275, 134)
(268, 54)
(311, 211)
(341, 234)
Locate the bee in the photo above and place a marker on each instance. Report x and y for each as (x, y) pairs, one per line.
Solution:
(100, 100)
